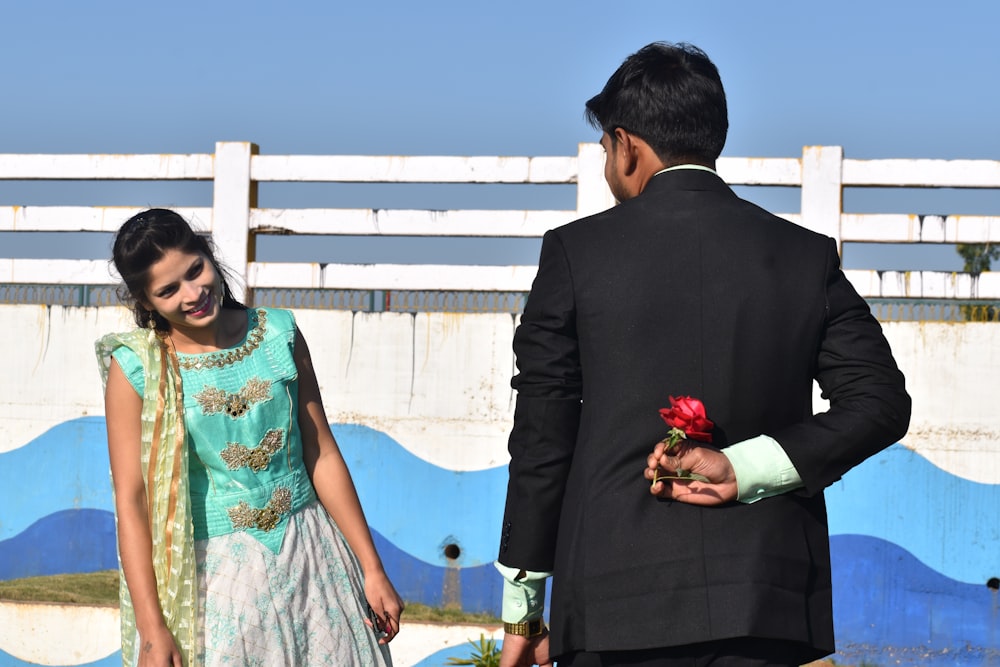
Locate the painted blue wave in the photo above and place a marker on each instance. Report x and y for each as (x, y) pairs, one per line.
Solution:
(65, 542)
(948, 522)
(418, 509)
(421, 507)
(889, 608)
(84, 541)
(477, 588)
(113, 660)
(64, 468)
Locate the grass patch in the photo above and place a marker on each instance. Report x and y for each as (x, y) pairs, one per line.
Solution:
(101, 588)
(420, 612)
(92, 588)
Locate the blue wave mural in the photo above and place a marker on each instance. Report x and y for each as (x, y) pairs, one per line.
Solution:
(420, 507)
(913, 545)
(474, 589)
(64, 468)
(64, 542)
(947, 522)
(889, 608)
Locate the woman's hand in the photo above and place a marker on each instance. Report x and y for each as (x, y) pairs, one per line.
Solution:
(158, 649)
(385, 603)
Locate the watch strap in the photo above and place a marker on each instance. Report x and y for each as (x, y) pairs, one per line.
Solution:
(531, 628)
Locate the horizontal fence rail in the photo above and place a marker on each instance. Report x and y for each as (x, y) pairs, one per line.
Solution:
(234, 220)
(412, 169)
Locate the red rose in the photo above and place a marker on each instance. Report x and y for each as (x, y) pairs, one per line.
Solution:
(688, 415)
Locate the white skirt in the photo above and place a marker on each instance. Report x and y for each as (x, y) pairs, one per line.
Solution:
(302, 606)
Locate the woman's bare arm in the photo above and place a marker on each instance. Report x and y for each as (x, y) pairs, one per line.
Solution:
(123, 412)
(336, 491)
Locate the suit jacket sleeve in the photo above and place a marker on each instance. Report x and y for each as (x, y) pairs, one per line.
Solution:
(546, 415)
(869, 407)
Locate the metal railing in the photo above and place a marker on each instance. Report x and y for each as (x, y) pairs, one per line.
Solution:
(464, 301)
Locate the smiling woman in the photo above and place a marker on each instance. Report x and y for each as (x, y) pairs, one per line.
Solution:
(167, 270)
(185, 290)
(275, 513)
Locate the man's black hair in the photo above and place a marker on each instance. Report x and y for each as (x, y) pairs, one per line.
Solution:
(669, 95)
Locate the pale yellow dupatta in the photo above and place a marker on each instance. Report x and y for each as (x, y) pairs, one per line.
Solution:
(164, 457)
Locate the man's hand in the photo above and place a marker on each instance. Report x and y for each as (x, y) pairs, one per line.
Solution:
(699, 459)
(521, 651)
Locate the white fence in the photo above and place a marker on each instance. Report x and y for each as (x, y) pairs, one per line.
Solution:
(429, 393)
(236, 168)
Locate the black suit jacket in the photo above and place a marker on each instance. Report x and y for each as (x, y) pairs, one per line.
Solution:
(687, 290)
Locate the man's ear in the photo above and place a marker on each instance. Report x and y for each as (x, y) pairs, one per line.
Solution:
(626, 150)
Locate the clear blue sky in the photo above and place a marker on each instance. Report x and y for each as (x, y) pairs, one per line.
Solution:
(882, 79)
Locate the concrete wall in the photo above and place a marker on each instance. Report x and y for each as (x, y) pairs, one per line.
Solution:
(421, 406)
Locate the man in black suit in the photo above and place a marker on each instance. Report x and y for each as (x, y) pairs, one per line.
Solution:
(683, 289)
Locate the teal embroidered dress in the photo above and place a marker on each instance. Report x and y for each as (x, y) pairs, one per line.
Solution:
(277, 583)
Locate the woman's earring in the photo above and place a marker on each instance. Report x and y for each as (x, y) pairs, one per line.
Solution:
(151, 322)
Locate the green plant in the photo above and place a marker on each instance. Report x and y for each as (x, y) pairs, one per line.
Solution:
(978, 256)
(485, 653)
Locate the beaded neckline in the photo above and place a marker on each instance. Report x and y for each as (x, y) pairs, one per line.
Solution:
(222, 358)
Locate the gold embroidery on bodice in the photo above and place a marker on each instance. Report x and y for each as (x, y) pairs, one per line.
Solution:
(244, 516)
(256, 458)
(213, 400)
(226, 357)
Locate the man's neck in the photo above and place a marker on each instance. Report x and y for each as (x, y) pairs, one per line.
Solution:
(682, 161)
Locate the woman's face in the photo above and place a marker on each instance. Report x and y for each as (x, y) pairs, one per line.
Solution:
(185, 289)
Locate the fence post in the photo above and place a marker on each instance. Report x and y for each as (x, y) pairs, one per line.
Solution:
(822, 190)
(233, 195)
(592, 192)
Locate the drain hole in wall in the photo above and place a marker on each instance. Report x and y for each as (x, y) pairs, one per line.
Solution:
(452, 552)
(993, 583)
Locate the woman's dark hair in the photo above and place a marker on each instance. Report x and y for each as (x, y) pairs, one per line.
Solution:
(141, 242)
(671, 96)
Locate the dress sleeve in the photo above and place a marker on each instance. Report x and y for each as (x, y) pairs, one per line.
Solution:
(281, 326)
(131, 366)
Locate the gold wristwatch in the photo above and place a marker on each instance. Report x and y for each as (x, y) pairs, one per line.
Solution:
(525, 628)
